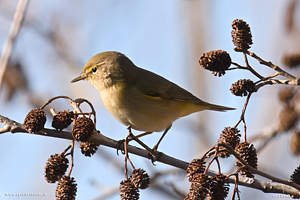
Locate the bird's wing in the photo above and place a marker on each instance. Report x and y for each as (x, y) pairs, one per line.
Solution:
(156, 86)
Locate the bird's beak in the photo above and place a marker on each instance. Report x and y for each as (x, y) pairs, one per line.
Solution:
(81, 77)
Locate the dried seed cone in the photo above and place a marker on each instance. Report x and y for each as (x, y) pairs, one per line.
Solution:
(128, 191)
(230, 137)
(218, 187)
(56, 167)
(198, 190)
(242, 87)
(216, 61)
(140, 178)
(195, 168)
(241, 35)
(35, 120)
(292, 60)
(295, 143)
(88, 149)
(295, 177)
(62, 120)
(288, 118)
(66, 189)
(286, 94)
(248, 153)
(82, 129)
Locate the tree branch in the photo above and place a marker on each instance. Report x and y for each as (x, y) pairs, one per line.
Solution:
(13, 32)
(293, 80)
(285, 187)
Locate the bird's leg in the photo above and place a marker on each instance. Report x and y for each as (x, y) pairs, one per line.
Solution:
(138, 136)
(143, 134)
(163, 135)
(153, 154)
(121, 142)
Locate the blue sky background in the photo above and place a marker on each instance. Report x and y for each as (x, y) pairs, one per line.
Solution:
(166, 37)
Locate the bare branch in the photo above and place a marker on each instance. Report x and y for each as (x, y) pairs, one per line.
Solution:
(273, 81)
(13, 32)
(293, 80)
(285, 187)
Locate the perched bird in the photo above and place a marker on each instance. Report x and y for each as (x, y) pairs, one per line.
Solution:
(137, 97)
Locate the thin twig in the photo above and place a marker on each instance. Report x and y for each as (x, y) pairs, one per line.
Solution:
(251, 69)
(126, 156)
(81, 100)
(64, 152)
(72, 157)
(12, 35)
(242, 118)
(238, 66)
(276, 81)
(54, 98)
(151, 151)
(294, 80)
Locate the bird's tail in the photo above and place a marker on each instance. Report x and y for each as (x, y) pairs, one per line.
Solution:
(217, 107)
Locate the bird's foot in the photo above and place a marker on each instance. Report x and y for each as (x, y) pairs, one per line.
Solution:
(154, 155)
(120, 146)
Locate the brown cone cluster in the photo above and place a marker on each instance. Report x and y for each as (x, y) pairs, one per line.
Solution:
(202, 186)
(140, 178)
(56, 167)
(195, 168)
(231, 137)
(66, 189)
(88, 149)
(128, 191)
(218, 187)
(35, 120)
(199, 189)
(62, 119)
(216, 61)
(248, 153)
(243, 87)
(241, 35)
(208, 188)
(82, 129)
(129, 188)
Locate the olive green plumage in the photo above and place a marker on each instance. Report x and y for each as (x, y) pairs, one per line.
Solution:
(137, 97)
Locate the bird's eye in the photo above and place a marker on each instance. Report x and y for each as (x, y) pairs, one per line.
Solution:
(94, 69)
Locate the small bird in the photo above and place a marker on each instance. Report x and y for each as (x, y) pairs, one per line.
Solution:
(137, 97)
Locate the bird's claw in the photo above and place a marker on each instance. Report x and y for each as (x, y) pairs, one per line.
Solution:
(120, 146)
(154, 155)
